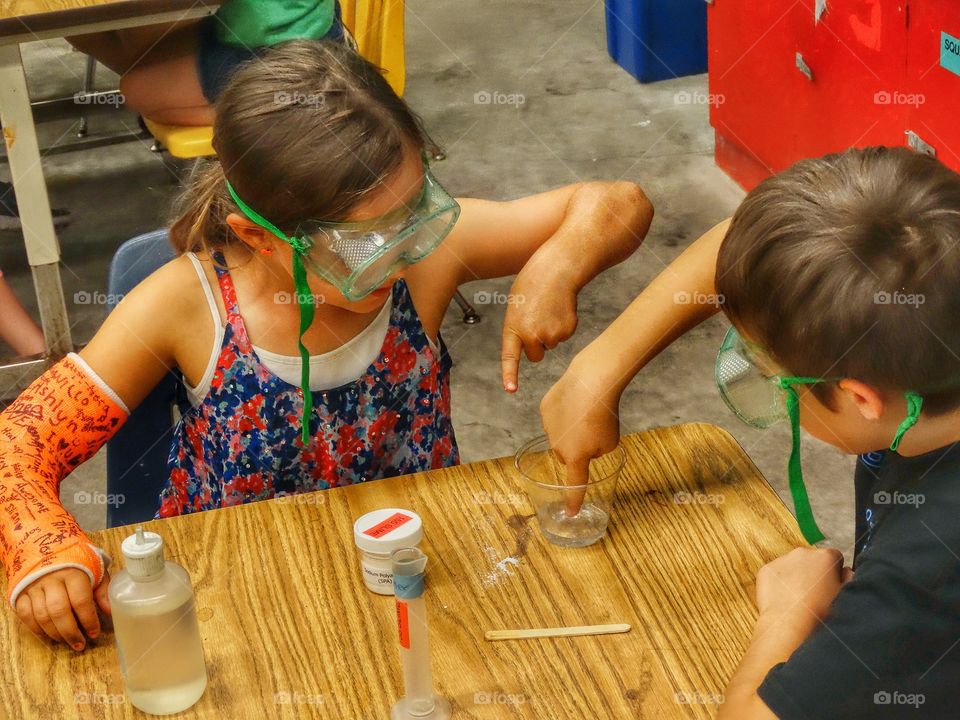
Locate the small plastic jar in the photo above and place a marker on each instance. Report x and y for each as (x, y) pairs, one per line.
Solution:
(379, 533)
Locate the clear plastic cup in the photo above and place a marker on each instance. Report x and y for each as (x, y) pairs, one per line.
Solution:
(569, 515)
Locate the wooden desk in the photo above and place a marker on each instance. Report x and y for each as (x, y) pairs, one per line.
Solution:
(285, 615)
(23, 21)
(26, 20)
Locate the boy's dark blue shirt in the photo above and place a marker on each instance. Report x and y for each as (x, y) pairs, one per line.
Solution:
(890, 646)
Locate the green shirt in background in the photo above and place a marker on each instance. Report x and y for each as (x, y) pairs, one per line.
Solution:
(261, 23)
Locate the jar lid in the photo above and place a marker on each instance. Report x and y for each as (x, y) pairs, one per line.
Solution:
(383, 531)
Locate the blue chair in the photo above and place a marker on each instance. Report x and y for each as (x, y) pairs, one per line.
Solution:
(137, 454)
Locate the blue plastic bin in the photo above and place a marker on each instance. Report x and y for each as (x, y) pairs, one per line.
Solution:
(658, 39)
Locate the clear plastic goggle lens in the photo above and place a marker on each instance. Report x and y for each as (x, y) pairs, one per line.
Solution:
(358, 259)
(754, 397)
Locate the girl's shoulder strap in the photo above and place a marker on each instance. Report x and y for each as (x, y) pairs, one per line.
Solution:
(227, 289)
(405, 317)
(207, 288)
(229, 294)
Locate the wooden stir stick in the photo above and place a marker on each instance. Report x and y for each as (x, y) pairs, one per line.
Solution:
(557, 632)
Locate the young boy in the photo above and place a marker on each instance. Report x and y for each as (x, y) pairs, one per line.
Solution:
(842, 278)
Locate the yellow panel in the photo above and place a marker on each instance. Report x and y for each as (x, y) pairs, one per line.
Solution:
(377, 26)
(183, 141)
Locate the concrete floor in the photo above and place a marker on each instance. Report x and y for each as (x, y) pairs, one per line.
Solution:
(582, 118)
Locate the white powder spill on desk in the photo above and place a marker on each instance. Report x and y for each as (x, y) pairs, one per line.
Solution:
(501, 568)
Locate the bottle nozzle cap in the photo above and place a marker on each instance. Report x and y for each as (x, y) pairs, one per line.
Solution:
(143, 552)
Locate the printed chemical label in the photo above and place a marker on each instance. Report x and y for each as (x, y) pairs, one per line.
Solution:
(388, 525)
(378, 577)
(403, 624)
(950, 52)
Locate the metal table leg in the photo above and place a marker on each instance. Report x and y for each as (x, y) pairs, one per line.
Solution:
(43, 249)
(89, 78)
(470, 315)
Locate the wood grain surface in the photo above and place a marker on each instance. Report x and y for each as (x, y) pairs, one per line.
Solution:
(290, 631)
(20, 17)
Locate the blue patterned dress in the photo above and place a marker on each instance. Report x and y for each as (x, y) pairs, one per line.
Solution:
(242, 442)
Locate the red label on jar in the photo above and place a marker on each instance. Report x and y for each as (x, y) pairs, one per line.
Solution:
(403, 624)
(388, 525)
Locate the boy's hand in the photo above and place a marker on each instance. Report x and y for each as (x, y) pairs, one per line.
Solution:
(801, 584)
(794, 594)
(581, 416)
(62, 606)
(541, 314)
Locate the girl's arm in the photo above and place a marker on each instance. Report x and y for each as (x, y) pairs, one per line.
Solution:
(557, 241)
(59, 422)
(581, 412)
(151, 331)
(589, 226)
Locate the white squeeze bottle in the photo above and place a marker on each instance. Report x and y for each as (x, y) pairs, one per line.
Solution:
(155, 622)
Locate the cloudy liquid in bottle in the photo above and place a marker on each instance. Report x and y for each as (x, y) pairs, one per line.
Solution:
(158, 637)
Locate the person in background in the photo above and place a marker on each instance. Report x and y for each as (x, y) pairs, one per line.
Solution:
(17, 328)
(318, 256)
(173, 73)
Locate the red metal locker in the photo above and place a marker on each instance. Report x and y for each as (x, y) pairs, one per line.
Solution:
(795, 80)
(751, 50)
(933, 76)
(856, 53)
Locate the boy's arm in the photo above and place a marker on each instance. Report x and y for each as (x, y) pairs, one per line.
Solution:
(581, 411)
(773, 641)
(883, 643)
(555, 241)
(794, 593)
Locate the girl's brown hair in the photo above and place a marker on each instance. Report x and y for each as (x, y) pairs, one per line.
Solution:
(302, 132)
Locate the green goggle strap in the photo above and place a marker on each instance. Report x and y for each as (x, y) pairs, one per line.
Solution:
(801, 503)
(798, 490)
(914, 406)
(304, 303)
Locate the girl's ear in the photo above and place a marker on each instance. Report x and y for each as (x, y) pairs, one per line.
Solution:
(867, 399)
(254, 236)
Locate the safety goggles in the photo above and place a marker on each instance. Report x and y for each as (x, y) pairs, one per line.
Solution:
(756, 394)
(358, 257)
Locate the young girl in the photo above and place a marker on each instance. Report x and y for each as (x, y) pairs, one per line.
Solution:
(297, 271)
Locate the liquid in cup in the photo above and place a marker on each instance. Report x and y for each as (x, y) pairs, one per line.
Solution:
(568, 515)
(584, 528)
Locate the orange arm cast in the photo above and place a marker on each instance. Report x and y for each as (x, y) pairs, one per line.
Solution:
(57, 423)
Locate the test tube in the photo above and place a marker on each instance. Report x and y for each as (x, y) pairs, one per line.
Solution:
(409, 565)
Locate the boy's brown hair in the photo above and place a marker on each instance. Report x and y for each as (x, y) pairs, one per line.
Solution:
(848, 266)
(302, 132)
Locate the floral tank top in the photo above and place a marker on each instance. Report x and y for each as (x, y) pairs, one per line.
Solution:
(242, 442)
